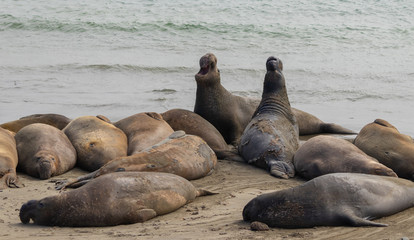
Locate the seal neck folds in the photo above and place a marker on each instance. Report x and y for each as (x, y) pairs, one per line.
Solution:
(274, 97)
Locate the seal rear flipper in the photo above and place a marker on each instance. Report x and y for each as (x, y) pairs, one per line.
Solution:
(335, 128)
(76, 182)
(356, 221)
(202, 192)
(10, 180)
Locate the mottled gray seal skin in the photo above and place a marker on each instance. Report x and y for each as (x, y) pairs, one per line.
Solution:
(185, 155)
(96, 141)
(113, 199)
(8, 159)
(272, 136)
(326, 154)
(332, 200)
(192, 123)
(230, 113)
(44, 151)
(56, 120)
(144, 130)
(383, 141)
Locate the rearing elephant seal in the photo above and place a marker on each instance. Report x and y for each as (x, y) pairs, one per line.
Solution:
(332, 200)
(56, 120)
(326, 154)
(113, 199)
(44, 151)
(230, 113)
(384, 142)
(8, 159)
(96, 141)
(144, 130)
(272, 137)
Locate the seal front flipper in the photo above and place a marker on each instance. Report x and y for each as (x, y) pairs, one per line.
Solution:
(280, 169)
(145, 214)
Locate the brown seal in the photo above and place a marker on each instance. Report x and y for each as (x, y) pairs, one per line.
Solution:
(332, 200)
(113, 199)
(326, 154)
(8, 160)
(144, 130)
(192, 123)
(56, 120)
(384, 142)
(187, 156)
(230, 113)
(44, 151)
(272, 137)
(96, 141)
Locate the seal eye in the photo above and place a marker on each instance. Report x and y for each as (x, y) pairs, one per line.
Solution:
(38, 158)
(120, 170)
(53, 159)
(41, 205)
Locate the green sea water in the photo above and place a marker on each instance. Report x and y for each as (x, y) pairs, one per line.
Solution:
(348, 62)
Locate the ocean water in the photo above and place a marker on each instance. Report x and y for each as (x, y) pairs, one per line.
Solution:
(347, 62)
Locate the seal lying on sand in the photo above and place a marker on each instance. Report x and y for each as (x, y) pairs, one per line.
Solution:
(96, 141)
(192, 123)
(230, 114)
(332, 200)
(272, 137)
(8, 160)
(56, 120)
(384, 142)
(144, 130)
(44, 151)
(113, 199)
(326, 154)
(187, 156)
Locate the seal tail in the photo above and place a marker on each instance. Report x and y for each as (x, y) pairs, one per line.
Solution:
(335, 128)
(202, 192)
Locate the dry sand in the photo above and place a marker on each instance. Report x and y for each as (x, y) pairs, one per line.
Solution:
(209, 217)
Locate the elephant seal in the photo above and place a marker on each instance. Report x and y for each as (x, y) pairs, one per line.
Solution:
(230, 113)
(44, 151)
(56, 120)
(192, 123)
(144, 130)
(96, 141)
(113, 199)
(272, 136)
(187, 156)
(326, 154)
(332, 200)
(8, 160)
(384, 142)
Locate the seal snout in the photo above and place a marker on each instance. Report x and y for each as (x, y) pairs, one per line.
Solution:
(26, 211)
(207, 62)
(273, 64)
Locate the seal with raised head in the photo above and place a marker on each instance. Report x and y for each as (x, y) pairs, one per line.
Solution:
(185, 155)
(96, 141)
(192, 123)
(272, 137)
(326, 154)
(383, 141)
(113, 199)
(44, 151)
(56, 120)
(333, 200)
(230, 113)
(8, 160)
(144, 130)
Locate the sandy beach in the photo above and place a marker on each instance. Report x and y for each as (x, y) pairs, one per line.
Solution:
(209, 217)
